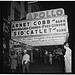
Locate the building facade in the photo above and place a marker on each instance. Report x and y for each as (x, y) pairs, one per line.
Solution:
(11, 11)
(14, 11)
(17, 11)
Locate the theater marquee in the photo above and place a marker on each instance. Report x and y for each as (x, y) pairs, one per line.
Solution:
(30, 31)
(45, 14)
(55, 25)
(43, 40)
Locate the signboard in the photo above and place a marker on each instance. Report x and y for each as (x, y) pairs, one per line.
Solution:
(56, 25)
(48, 27)
(6, 28)
(11, 43)
(44, 40)
(14, 44)
(13, 53)
(45, 14)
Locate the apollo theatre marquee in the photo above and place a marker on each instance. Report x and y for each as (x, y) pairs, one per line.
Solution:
(48, 27)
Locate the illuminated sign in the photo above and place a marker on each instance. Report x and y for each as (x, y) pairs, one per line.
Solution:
(45, 26)
(41, 28)
(45, 14)
(16, 43)
(43, 40)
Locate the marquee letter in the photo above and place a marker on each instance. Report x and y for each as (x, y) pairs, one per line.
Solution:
(16, 25)
(28, 23)
(29, 16)
(22, 32)
(28, 32)
(24, 24)
(47, 13)
(32, 32)
(40, 31)
(36, 31)
(43, 22)
(39, 22)
(48, 21)
(15, 34)
(52, 13)
(35, 15)
(45, 30)
(34, 22)
(13, 25)
(59, 12)
(41, 15)
(50, 29)
(20, 25)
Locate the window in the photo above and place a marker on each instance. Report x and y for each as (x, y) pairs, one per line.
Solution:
(16, 14)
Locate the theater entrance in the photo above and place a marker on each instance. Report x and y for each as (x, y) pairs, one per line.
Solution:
(38, 54)
(38, 65)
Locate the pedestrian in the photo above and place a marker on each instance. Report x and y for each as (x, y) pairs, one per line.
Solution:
(45, 57)
(61, 58)
(25, 62)
(50, 58)
(59, 53)
(13, 61)
(67, 58)
(20, 61)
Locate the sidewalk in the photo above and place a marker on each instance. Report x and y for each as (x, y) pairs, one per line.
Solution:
(40, 67)
(6, 69)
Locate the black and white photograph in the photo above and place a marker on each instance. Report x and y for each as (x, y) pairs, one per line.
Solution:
(37, 37)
